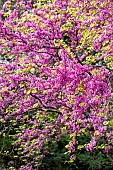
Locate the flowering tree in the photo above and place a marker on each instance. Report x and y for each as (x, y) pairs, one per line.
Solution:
(56, 76)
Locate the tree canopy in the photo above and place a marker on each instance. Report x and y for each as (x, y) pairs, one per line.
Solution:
(56, 77)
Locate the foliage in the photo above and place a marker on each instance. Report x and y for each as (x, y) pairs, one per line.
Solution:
(56, 81)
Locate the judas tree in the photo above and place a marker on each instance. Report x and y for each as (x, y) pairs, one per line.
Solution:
(56, 77)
